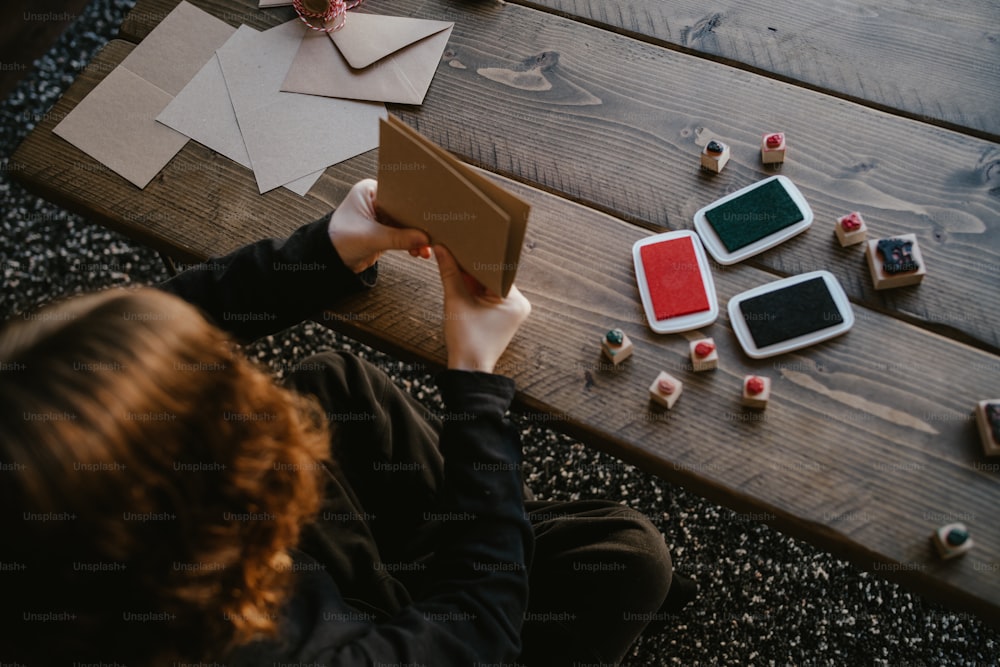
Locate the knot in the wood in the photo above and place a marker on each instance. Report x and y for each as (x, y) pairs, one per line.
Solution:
(990, 169)
(545, 60)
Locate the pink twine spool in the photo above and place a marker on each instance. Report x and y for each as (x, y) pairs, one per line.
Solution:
(330, 20)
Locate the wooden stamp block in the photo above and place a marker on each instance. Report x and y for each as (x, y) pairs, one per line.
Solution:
(772, 148)
(616, 346)
(704, 354)
(988, 419)
(665, 390)
(952, 540)
(714, 156)
(851, 229)
(895, 261)
(756, 391)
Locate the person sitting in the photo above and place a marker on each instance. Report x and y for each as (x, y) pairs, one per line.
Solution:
(165, 500)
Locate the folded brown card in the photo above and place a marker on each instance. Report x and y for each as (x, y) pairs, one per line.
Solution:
(421, 185)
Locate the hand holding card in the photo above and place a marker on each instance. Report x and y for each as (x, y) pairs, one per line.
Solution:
(423, 186)
(360, 238)
(477, 326)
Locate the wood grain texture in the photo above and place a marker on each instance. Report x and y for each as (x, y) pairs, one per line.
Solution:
(618, 125)
(931, 61)
(869, 443)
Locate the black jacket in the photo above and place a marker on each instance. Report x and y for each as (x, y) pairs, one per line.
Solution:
(474, 610)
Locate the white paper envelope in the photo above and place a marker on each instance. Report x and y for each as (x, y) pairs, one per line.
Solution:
(288, 136)
(116, 123)
(376, 58)
(204, 112)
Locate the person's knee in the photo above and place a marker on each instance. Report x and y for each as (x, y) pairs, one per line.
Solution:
(325, 362)
(624, 545)
(646, 561)
(315, 364)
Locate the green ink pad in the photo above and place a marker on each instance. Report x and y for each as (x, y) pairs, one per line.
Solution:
(754, 219)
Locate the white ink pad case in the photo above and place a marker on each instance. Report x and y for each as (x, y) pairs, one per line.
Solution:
(675, 281)
(790, 314)
(753, 219)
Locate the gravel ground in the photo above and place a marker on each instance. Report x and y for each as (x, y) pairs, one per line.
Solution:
(765, 599)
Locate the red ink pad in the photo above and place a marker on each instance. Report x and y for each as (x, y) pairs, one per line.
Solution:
(674, 278)
(675, 282)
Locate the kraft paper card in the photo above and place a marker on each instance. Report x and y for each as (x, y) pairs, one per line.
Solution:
(288, 135)
(204, 112)
(421, 185)
(116, 123)
(379, 58)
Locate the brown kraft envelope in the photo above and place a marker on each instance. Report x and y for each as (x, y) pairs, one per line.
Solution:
(421, 185)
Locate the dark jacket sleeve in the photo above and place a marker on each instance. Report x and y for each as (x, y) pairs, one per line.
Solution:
(270, 285)
(474, 606)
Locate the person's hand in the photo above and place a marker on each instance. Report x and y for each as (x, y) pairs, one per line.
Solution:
(360, 238)
(478, 325)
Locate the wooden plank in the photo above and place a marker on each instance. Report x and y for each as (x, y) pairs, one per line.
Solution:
(863, 451)
(621, 133)
(887, 54)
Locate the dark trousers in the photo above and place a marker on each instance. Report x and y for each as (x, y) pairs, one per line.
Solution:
(599, 572)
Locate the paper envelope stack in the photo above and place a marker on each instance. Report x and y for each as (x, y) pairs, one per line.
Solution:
(116, 123)
(377, 58)
(237, 92)
(421, 185)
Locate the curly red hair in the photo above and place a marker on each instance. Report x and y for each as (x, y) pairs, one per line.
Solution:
(155, 480)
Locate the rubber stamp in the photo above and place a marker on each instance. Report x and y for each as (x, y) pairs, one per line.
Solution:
(952, 540)
(714, 156)
(772, 148)
(895, 261)
(988, 420)
(851, 229)
(616, 346)
(704, 354)
(756, 391)
(665, 390)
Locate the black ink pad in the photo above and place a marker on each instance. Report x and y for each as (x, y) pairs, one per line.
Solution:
(790, 314)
